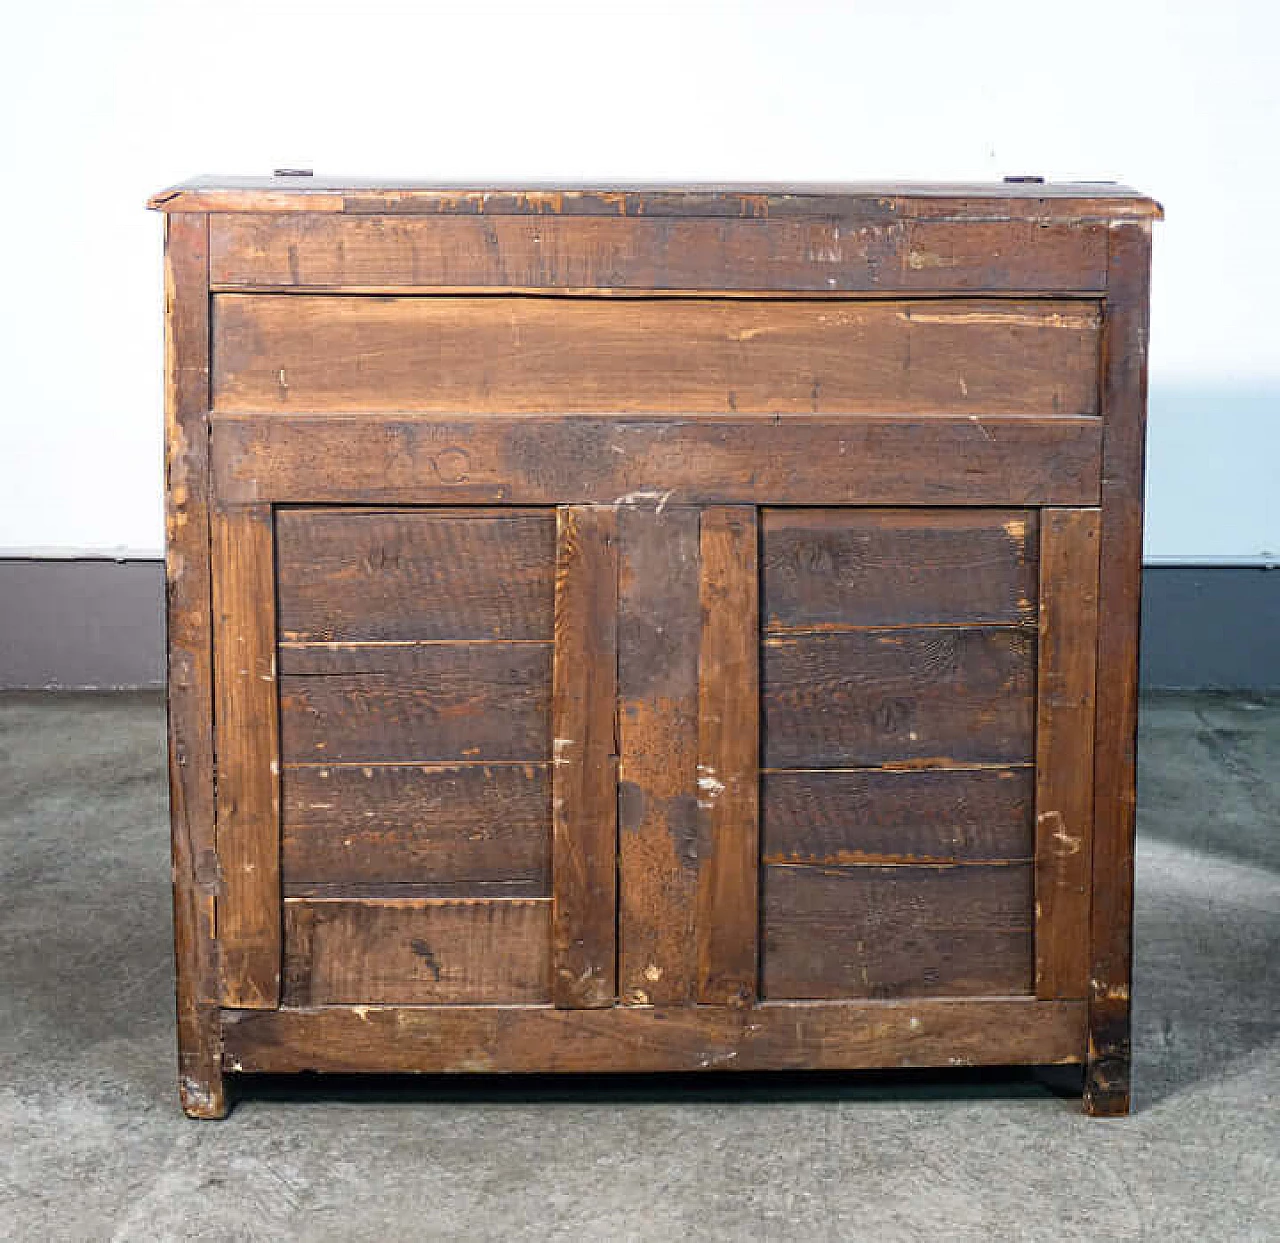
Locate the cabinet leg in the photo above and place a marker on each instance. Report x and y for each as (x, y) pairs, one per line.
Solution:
(201, 1085)
(1106, 1079)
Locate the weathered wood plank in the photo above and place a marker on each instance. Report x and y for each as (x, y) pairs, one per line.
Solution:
(248, 751)
(825, 256)
(726, 913)
(1120, 581)
(464, 824)
(925, 697)
(531, 460)
(583, 355)
(189, 613)
(817, 1036)
(449, 702)
(1068, 642)
(360, 575)
(937, 815)
(585, 758)
(826, 569)
(898, 931)
(416, 951)
(658, 818)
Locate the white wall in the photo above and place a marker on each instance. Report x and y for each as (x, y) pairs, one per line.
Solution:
(104, 103)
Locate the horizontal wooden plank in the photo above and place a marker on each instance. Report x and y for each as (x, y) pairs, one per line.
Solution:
(464, 824)
(583, 355)
(830, 568)
(391, 656)
(352, 575)
(916, 931)
(935, 815)
(419, 951)
(531, 460)
(320, 252)
(803, 1036)
(925, 698)
(457, 702)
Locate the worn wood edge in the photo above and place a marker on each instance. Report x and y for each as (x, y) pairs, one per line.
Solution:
(863, 1035)
(726, 916)
(247, 744)
(1124, 384)
(584, 775)
(189, 647)
(1065, 687)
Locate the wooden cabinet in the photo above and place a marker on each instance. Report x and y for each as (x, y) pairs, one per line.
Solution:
(653, 629)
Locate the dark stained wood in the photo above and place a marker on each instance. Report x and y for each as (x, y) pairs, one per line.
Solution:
(449, 702)
(817, 1036)
(936, 815)
(911, 697)
(530, 460)
(248, 786)
(728, 758)
(583, 355)
(1068, 641)
(1119, 594)
(615, 254)
(416, 951)
(658, 815)
(898, 931)
(188, 613)
(360, 575)
(585, 758)
(461, 824)
(827, 569)
(862, 202)
(408, 656)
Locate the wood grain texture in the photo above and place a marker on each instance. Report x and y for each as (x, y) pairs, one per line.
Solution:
(1068, 641)
(827, 569)
(377, 575)
(658, 816)
(585, 758)
(726, 913)
(818, 1036)
(924, 697)
(416, 952)
(188, 615)
(248, 750)
(459, 824)
(583, 355)
(531, 460)
(615, 254)
(898, 931)
(1119, 591)
(938, 815)
(449, 702)
(859, 202)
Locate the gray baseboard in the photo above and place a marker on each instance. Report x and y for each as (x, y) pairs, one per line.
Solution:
(91, 623)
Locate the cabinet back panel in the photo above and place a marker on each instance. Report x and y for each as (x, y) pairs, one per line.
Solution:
(534, 354)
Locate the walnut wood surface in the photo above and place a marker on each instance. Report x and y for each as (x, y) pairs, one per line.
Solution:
(584, 701)
(615, 255)
(583, 355)
(549, 460)
(964, 929)
(396, 824)
(808, 1035)
(829, 569)
(416, 951)
(369, 575)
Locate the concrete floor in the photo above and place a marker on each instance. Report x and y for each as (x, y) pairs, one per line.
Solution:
(94, 1146)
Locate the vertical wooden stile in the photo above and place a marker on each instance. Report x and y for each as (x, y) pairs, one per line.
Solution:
(729, 759)
(247, 730)
(190, 662)
(1064, 748)
(584, 778)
